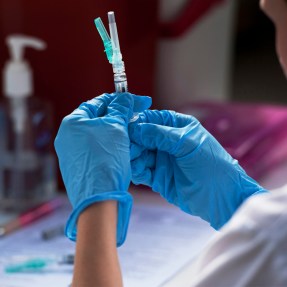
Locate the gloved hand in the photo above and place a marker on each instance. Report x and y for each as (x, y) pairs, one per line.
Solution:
(177, 157)
(93, 148)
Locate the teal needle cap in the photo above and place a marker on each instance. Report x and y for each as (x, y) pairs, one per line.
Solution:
(30, 265)
(105, 38)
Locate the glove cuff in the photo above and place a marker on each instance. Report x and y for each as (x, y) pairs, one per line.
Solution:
(232, 207)
(125, 202)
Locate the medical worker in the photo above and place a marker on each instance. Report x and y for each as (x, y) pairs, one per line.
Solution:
(100, 153)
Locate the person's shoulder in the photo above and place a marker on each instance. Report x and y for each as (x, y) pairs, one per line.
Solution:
(263, 213)
(267, 205)
(250, 248)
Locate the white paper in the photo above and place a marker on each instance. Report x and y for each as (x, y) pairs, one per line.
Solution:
(160, 242)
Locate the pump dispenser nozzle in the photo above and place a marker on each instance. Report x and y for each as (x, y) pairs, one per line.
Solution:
(17, 43)
(18, 80)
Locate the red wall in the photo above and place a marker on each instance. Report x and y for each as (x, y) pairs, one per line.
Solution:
(74, 67)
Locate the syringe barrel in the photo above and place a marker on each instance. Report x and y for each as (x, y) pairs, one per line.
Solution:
(121, 84)
(120, 78)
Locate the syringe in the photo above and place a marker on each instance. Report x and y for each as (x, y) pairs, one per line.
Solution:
(114, 56)
(120, 78)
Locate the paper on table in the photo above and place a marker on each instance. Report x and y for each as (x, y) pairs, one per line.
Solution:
(28, 243)
(161, 241)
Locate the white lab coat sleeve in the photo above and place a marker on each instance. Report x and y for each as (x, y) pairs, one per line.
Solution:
(250, 250)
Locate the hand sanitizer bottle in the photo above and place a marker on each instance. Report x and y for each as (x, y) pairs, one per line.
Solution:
(27, 163)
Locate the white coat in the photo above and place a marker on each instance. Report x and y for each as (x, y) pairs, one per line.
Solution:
(251, 249)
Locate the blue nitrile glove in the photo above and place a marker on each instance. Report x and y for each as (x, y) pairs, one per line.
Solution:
(93, 148)
(177, 157)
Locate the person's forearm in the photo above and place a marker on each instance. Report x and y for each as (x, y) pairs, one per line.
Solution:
(96, 260)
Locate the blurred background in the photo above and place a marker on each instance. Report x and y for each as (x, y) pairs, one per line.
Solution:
(178, 52)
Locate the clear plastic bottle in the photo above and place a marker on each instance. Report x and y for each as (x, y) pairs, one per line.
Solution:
(27, 162)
